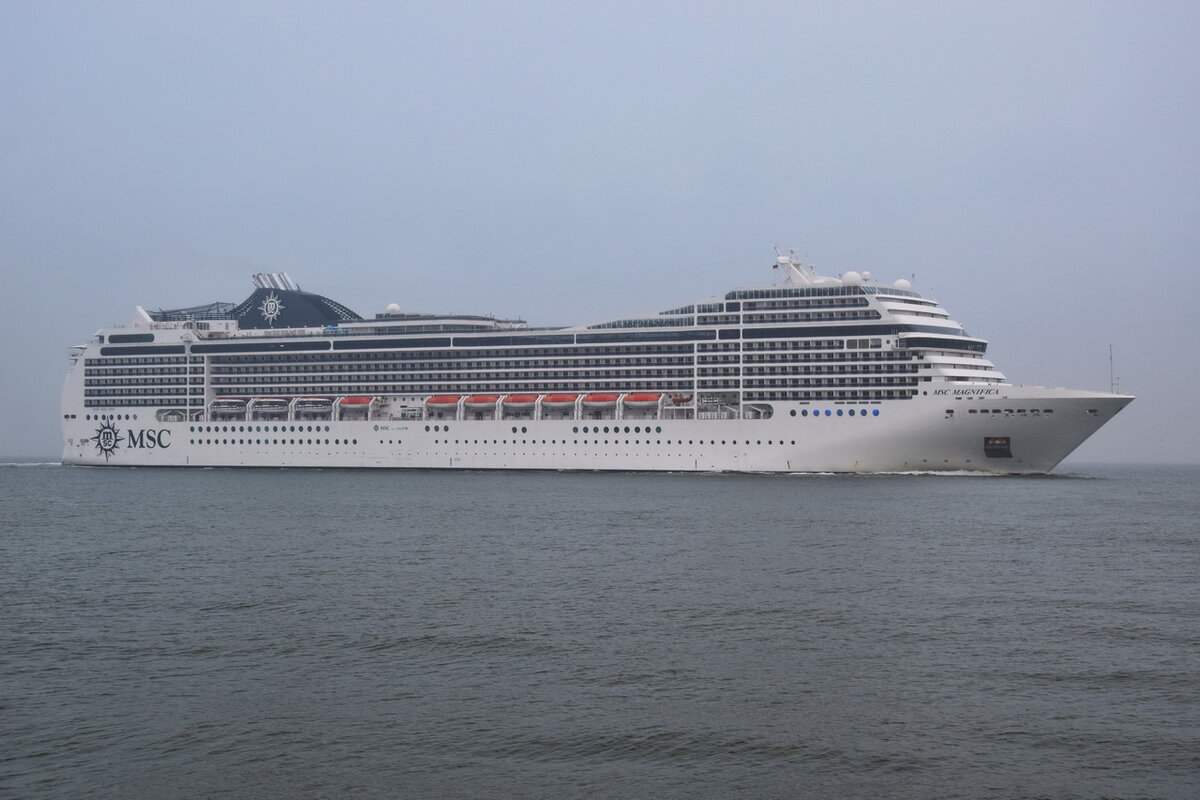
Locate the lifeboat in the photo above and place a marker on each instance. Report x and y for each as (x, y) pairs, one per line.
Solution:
(269, 407)
(356, 401)
(313, 406)
(442, 400)
(599, 399)
(228, 405)
(680, 399)
(643, 399)
(488, 400)
(559, 400)
(520, 400)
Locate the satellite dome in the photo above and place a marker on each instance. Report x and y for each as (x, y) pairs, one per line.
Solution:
(393, 308)
(851, 278)
(866, 276)
(903, 284)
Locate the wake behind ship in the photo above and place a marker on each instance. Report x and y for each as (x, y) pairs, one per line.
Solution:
(814, 374)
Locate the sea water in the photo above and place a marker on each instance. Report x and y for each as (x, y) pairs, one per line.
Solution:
(325, 634)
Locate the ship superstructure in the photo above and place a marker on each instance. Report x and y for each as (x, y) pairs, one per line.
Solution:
(813, 374)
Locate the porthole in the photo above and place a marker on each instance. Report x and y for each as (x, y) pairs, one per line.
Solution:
(524, 429)
(658, 429)
(828, 413)
(852, 412)
(575, 429)
(793, 412)
(839, 412)
(514, 430)
(875, 412)
(627, 429)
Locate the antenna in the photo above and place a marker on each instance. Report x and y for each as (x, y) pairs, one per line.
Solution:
(1113, 383)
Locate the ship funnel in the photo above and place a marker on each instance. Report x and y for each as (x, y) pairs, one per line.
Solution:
(275, 280)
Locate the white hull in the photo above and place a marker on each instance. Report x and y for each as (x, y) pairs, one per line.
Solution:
(1042, 425)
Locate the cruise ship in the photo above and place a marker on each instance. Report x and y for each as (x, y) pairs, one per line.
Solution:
(809, 374)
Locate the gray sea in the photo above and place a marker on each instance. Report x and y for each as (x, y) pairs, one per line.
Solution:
(362, 634)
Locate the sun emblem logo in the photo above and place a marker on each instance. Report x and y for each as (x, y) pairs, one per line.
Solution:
(108, 439)
(271, 308)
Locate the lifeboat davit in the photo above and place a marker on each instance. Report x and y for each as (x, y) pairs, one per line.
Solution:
(599, 399)
(559, 400)
(520, 400)
(442, 400)
(487, 400)
(643, 399)
(356, 401)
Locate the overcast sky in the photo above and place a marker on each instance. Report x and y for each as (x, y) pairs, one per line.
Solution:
(1033, 164)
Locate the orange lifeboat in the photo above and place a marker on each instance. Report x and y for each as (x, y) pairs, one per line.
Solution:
(643, 398)
(442, 400)
(559, 400)
(520, 400)
(356, 401)
(482, 400)
(599, 399)
(680, 399)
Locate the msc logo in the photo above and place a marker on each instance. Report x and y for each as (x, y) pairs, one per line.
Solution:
(108, 439)
(150, 438)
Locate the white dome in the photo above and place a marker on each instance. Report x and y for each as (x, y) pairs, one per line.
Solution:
(851, 278)
(903, 284)
(866, 276)
(393, 308)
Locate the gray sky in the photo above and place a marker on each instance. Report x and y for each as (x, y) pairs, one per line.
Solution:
(1033, 164)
